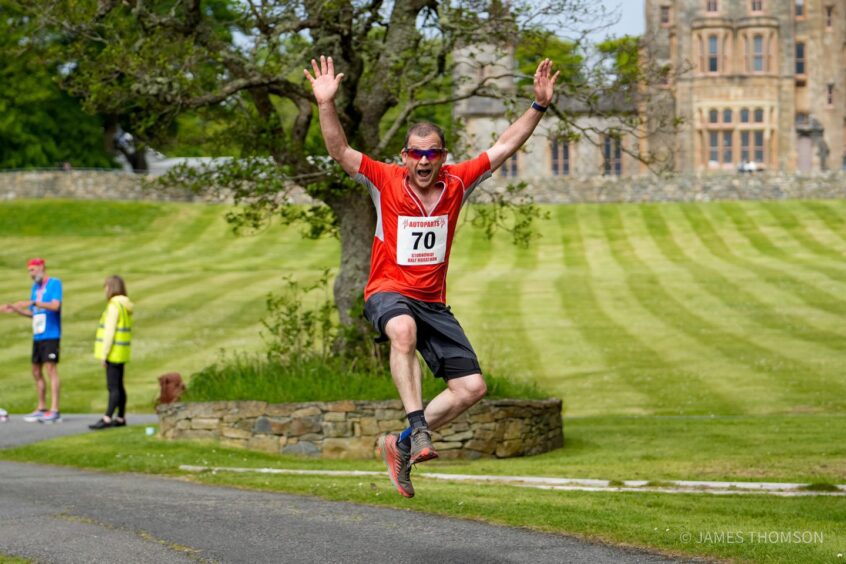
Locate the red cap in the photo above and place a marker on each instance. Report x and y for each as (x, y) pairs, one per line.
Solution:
(35, 262)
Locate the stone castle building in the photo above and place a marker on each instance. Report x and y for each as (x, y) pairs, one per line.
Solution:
(754, 81)
(751, 81)
(547, 156)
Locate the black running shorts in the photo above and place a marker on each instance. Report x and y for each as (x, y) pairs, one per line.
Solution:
(440, 339)
(45, 351)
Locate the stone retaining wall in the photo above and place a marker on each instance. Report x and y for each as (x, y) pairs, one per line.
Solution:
(350, 429)
(115, 185)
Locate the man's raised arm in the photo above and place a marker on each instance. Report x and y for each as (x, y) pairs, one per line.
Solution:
(520, 131)
(325, 84)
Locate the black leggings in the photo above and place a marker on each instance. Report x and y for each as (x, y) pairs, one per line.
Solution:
(117, 393)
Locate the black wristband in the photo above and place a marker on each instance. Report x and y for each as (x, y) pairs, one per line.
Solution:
(538, 107)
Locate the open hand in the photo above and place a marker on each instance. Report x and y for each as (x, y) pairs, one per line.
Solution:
(324, 83)
(545, 82)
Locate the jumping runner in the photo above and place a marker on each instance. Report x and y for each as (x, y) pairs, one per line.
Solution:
(417, 206)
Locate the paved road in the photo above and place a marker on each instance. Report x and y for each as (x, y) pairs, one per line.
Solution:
(52, 514)
(18, 432)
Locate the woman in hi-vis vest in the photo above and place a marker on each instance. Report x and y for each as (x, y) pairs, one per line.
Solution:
(112, 346)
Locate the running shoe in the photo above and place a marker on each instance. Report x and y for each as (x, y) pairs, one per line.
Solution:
(35, 416)
(421, 446)
(118, 422)
(399, 468)
(51, 417)
(101, 424)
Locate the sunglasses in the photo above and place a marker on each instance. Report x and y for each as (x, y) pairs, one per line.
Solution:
(430, 154)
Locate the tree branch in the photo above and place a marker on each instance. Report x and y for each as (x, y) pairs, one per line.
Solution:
(478, 90)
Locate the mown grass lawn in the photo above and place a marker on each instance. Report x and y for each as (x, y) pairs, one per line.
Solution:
(688, 341)
(669, 309)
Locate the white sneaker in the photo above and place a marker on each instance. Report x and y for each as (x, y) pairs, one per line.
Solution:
(35, 416)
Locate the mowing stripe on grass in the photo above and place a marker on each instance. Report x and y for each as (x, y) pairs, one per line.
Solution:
(733, 295)
(799, 232)
(657, 384)
(702, 390)
(774, 369)
(834, 221)
(711, 238)
(501, 299)
(764, 245)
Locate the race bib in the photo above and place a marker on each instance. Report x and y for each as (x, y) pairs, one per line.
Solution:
(421, 240)
(39, 323)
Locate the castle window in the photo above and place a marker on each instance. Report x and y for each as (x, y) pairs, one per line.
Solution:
(560, 157)
(713, 116)
(759, 115)
(713, 56)
(509, 167)
(752, 146)
(665, 15)
(720, 147)
(800, 8)
(800, 58)
(728, 153)
(711, 5)
(829, 17)
(758, 137)
(744, 115)
(727, 116)
(758, 53)
(829, 94)
(612, 162)
(757, 5)
(745, 137)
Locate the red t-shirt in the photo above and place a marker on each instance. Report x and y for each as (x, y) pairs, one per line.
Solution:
(411, 245)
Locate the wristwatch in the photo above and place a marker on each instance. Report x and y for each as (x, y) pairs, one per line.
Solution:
(538, 107)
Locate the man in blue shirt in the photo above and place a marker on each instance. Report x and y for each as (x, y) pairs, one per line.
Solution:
(45, 309)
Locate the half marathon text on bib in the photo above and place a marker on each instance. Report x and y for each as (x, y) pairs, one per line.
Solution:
(421, 240)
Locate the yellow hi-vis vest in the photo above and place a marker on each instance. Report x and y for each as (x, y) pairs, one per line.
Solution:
(122, 339)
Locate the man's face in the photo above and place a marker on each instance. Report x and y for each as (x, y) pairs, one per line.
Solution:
(423, 168)
(36, 272)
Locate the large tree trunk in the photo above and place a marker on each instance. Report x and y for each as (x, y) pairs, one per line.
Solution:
(357, 224)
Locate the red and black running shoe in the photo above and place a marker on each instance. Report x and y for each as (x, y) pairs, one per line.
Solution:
(399, 467)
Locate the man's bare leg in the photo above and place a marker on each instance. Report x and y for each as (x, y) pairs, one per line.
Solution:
(405, 368)
(39, 386)
(53, 373)
(461, 394)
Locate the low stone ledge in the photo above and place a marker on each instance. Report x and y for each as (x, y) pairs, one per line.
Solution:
(350, 429)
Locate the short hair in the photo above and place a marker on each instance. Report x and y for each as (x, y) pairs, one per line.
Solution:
(422, 129)
(115, 286)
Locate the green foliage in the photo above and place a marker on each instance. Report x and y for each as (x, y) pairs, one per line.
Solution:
(40, 124)
(512, 211)
(625, 57)
(566, 56)
(295, 331)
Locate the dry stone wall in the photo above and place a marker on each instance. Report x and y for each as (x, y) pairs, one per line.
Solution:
(108, 185)
(350, 429)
